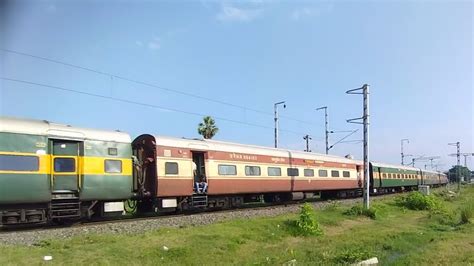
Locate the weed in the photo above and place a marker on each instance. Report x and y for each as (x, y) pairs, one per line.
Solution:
(332, 206)
(443, 217)
(43, 243)
(446, 195)
(467, 212)
(306, 224)
(360, 211)
(350, 256)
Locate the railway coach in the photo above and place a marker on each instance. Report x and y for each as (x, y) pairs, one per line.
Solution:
(385, 178)
(51, 171)
(235, 173)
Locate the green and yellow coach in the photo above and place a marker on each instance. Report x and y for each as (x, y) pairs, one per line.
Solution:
(57, 172)
(392, 178)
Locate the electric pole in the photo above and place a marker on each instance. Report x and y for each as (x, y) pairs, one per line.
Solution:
(465, 157)
(326, 126)
(307, 138)
(364, 90)
(275, 109)
(458, 155)
(403, 155)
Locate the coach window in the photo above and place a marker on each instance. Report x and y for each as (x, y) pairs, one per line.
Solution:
(252, 170)
(384, 175)
(323, 173)
(113, 166)
(334, 173)
(112, 151)
(274, 171)
(346, 174)
(224, 169)
(398, 176)
(293, 172)
(64, 165)
(18, 163)
(308, 172)
(171, 168)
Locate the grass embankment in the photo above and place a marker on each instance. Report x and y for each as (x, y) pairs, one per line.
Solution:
(439, 230)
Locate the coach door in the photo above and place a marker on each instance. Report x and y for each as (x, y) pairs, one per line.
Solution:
(65, 160)
(199, 169)
(198, 159)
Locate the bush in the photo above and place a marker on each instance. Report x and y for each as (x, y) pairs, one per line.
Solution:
(419, 201)
(360, 211)
(467, 212)
(307, 224)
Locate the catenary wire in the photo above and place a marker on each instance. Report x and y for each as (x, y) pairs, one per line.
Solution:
(145, 104)
(151, 85)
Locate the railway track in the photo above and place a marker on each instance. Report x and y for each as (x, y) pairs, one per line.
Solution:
(137, 225)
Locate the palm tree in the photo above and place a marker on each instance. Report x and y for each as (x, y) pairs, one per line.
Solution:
(207, 128)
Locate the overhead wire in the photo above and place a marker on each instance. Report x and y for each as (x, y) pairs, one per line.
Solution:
(151, 85)
(144, 104)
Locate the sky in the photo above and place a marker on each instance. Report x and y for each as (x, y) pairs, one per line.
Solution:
(175, 61)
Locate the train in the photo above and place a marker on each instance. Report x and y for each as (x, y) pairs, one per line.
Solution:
(51, 173)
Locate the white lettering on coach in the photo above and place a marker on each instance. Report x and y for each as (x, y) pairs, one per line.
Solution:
(243, 157)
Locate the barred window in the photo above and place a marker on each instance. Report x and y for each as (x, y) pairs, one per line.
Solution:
(323, 173)
(18, 163)
(335, 173)
(225, 169)
(274, 171)
(113, 166)
(308, 172)
(64, 165)
(171, 168)
(346, 174)
(252, 170)
(292, 172)
(112, 151)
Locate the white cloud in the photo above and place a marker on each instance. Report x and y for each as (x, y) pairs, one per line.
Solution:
(154, 44)
(230, 13)
(303, 12)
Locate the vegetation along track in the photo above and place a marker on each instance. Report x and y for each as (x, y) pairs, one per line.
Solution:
(34, 236)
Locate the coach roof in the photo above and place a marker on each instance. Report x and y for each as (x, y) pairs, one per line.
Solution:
(400, 167)
(61, 131)
(214, 145)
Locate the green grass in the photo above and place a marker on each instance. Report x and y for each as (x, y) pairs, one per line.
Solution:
(399, 236)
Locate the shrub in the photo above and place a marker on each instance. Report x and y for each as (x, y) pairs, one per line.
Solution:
(419, 201)
(467, 212)
(357, 210)
(307, 224)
